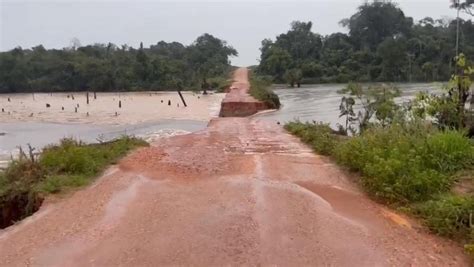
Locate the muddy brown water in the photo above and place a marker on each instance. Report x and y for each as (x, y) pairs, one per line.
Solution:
(320, 102)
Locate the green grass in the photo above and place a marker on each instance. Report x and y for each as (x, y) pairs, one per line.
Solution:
(318, 135)
(402, 166)
(56, 183)
(69, 164)
(73, 163)
(449, 215)
(469, 248)
(260, 90)
(411, 166)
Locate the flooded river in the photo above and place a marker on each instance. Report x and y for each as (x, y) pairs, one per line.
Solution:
(311, 102)
(321, 102)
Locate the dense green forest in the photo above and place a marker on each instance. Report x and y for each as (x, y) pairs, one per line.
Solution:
(382, 44)
(107, 67)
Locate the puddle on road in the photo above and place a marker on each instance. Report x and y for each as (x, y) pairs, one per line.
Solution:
(346, 204)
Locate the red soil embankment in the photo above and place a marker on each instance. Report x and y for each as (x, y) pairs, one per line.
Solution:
(238, 102)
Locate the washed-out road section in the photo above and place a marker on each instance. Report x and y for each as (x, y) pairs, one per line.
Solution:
(241, 192)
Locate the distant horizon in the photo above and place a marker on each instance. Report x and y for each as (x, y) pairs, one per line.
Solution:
(54, 24)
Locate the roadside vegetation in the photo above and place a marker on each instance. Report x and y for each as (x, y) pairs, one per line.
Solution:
(223, 83)
(260, 90)
(382, 44)
(69, 164)
(202, 65)
(410, 156)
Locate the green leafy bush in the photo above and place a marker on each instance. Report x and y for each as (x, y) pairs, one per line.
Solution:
(260, 90)
(74, 157)
(319, 135)
(20, 175)
(469, 248)
(404, 166)
(448, 151)
(411, 164)
(449, 215)
(68, 164)
(56, 183)
(220, 84)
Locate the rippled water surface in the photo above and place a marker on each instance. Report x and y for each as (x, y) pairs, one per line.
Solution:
(321, 102)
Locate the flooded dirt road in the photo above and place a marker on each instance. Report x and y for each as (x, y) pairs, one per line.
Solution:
(241, 192)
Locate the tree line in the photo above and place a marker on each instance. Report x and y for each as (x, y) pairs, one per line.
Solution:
(108, 67)
(382, 44)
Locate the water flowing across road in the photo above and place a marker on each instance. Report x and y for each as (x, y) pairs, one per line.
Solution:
(240, 192)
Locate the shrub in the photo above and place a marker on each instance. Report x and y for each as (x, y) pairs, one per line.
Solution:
(76, 158)
(20, 174)
(469, 248)
(260, 90)
(400, 165)
(449, 215)
(220, 84)
(448, 151)
(319, 135)
(56, 183)
(17, 200)
(69, 164)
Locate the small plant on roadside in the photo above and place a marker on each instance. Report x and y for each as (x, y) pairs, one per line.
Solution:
(375, 101)
(469, 248)
(448, 109)
(449, 215)
(346, 109)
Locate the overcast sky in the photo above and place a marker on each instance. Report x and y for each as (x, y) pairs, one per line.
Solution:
(243, 24)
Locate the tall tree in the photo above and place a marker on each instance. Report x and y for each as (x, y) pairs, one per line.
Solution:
(376, 21)
(294, 49)
(210, 55)
(382, 45)
(107, 67)
(465, 5)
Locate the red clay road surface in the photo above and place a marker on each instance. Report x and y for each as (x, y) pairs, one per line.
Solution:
(239, 89)
(238, 102)
(241, 192)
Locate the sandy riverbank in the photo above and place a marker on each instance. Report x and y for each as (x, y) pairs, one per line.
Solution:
(136, 107)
